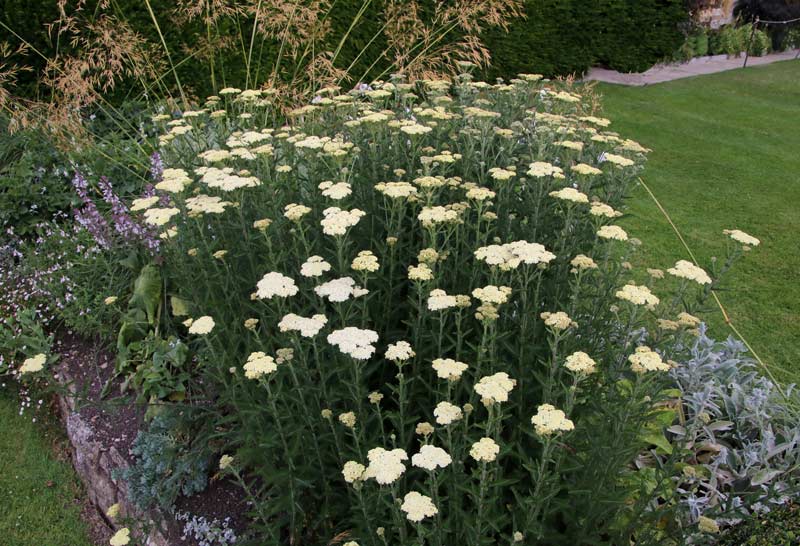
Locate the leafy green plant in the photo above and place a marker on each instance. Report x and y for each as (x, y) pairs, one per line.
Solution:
(168, 462)
(376, 216)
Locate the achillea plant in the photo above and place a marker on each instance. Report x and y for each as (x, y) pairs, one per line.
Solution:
(414, 318)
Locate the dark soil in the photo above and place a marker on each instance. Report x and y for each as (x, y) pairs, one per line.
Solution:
(117, 419)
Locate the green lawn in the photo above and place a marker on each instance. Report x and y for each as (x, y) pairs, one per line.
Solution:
(39, 506)
(726, 154)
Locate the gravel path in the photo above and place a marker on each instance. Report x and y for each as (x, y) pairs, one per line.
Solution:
(695, 67)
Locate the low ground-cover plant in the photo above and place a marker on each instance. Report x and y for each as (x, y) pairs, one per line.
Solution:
(413, 319)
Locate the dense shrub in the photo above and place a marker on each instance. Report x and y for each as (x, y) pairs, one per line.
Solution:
(430, 196)
(567, 37)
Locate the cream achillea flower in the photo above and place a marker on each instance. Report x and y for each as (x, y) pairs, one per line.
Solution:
(225, 462)
(430, 458)
(113, 511)
(685, 319)
(396, 190)
(687, 270)
(634, 146)
(601, 209)
(501, 174)
(295, 212)
(144, 203)
(339, 290)
(424, 429)
(159, 217)
(337, 191)
(540, 169)
(418, 507)
(353, 471)
(612, 232)
(570, 194)
(484, 450)
(558, 320)
(583, 262)
(509, 256)
(421, 272)
(174, 180)
(430, 216)
(495, 388)
(121, 537)
(365, 261)
(308, 327)
(355, 342)
(480, 194)
(399, 352)
(428, 256)
(415, 129)
(275, 284)
(447, 413)
(214, 156)
(549, 420)
(494, 295)
(336, 221)
(202, 325)
(438, 300)
(618, 160)
(580, 362)
(206, 204)
(33, 364)
(110, 300)
(314, 266)
(428, 182)
(646, 360)
(385, 467)
(638, 295)
(600, 122)
(583, 168)
(258, 365)
(741, 237)
(571, 145)
(348, 419)
(447, 368)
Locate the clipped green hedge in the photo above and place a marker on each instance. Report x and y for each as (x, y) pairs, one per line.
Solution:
(558, 37)
(568, 36)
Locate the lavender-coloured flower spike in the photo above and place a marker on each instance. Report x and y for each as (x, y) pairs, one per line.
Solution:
(88, 216)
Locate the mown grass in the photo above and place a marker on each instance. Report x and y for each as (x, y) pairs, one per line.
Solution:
(40, 495)
(726, 154)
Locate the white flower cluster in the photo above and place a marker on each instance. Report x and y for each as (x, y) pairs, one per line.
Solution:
(385, 467)
(258, 365)
(275, 284)
(399, 352)
(638, 295)
(549, 420)
(511, 255)
(418, 507)
(339, 290)
(495, 388)
(647, 360)
(687, 270)
(447, 368)
(355, 342)
(314, 266)
(447, 413)
(336, 221)
(308, 327)
(580, 362)
(431, 457)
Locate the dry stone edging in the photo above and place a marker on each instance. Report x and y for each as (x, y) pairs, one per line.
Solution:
(95, 464)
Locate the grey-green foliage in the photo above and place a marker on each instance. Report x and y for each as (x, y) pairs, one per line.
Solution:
(743, 435)
(168, 463)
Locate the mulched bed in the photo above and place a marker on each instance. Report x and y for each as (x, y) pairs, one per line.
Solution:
(117, 419)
